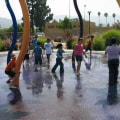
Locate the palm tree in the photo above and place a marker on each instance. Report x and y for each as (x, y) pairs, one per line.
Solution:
(114, 15)
(99, 17)
(106, 15)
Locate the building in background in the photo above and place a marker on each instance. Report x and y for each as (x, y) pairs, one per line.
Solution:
(52, 30)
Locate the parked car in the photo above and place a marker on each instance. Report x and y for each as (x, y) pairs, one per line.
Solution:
(40, 34)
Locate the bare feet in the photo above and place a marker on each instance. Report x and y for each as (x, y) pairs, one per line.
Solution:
(79, 73)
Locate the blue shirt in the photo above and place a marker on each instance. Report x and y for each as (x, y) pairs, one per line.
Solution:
(37, 51)
(59, 53)
(35, 42)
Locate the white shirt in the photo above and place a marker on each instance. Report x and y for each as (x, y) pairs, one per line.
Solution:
(48, 47)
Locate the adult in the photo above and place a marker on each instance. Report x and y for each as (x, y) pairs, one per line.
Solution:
(112, 52)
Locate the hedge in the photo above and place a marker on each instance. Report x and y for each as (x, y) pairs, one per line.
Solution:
(1, 44)
(109, 34)
(42, 40)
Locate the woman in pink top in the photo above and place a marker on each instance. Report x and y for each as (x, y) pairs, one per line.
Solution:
(78, 53)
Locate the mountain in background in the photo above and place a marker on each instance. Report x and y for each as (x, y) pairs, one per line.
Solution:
(6, 23)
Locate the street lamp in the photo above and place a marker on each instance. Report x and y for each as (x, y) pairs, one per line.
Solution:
(69, 9)
(84, 12)
(89, 12)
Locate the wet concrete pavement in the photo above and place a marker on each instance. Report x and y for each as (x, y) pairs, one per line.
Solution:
(47, 96)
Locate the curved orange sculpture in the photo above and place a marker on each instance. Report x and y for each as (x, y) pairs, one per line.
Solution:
(26, 37)
(118, 1)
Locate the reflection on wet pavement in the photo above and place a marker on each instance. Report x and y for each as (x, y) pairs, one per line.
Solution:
(48, 96)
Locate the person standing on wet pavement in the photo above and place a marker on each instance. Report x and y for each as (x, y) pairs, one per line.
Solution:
(38, 55)
(49, 49)
(112, 52)
(59, 55)
(78, 54)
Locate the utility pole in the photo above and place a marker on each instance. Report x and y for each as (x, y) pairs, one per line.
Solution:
(69, 9)
(89, 12)
(84, 11)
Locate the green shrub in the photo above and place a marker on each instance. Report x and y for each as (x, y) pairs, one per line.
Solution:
(1, 44)
(74, 43)
(99, 44)
(109, 34)
(42, 40)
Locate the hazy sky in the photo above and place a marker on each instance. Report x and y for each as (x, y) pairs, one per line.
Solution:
(61, 7)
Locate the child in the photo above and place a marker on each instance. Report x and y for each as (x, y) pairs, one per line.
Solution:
(27, 56)
(88, 47)
(49, 49)
(38, 55)
(59, 54)
(35, 41)
(78, 53)
(10, 69)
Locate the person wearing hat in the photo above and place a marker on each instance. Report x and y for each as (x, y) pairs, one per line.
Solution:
(112, 53)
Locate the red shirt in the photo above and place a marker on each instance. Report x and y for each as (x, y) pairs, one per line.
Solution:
(10, 65)
(89, 43)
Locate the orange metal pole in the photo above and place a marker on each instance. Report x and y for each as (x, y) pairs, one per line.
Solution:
(26, 37)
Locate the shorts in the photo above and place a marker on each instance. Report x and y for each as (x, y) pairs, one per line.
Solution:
(38, 59)
(78, 58)
(26, 57)
(88, 48)
(10, 73)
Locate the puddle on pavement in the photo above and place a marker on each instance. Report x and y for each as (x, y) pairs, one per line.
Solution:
(68, 95)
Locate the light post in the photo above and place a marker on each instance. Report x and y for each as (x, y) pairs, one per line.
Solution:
(84, 11)
(89, 12)
(69, 9)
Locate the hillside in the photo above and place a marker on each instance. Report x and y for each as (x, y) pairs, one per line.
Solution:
(6, 23)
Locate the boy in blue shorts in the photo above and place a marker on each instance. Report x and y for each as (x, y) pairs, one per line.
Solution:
(38, 55)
